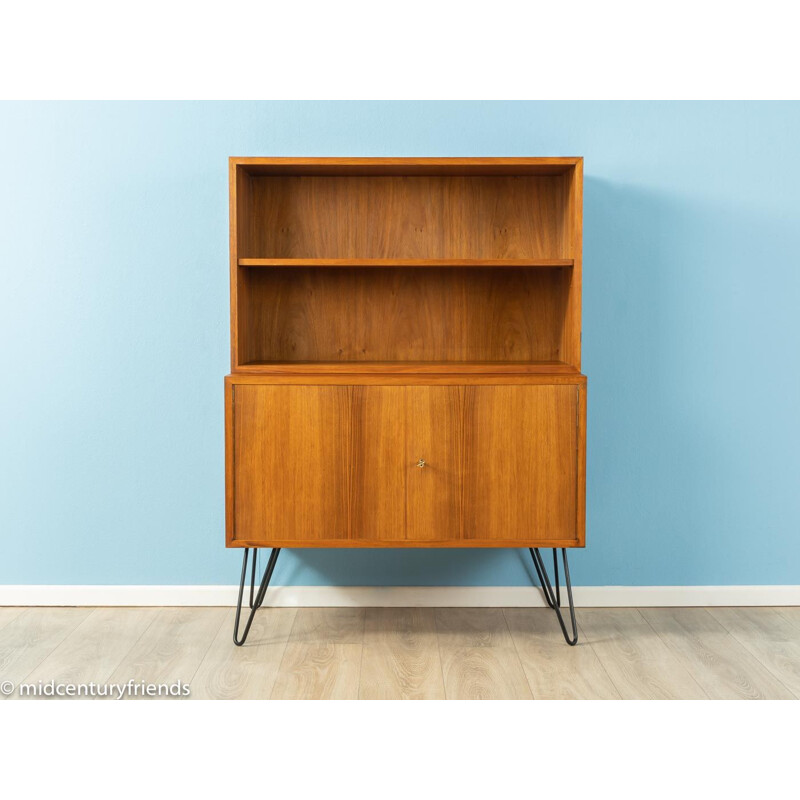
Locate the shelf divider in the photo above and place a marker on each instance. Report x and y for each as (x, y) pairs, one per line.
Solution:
(406, 262)
(409, 367)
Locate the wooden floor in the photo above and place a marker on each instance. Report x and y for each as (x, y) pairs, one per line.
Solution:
(413, 653)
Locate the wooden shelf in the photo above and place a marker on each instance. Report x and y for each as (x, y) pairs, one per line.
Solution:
(406, 262)
(409, 367)
(403, 167)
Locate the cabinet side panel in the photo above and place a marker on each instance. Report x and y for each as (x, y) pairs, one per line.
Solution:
(234, 261)
(581, 490)
(290, 463)
(230, 388)
(521, 459)
(573, 248)
(242, 224)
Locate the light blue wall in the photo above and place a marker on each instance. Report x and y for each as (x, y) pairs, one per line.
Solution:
(114, 334)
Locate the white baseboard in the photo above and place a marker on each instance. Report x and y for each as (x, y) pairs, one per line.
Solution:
(465, 596)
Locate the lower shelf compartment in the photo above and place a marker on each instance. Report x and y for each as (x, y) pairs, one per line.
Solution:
(409, 367)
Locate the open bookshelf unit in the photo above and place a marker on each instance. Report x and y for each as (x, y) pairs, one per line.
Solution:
(409, 265)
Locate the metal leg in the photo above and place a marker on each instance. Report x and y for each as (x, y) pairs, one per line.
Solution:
(536, 559)
(553, 598)
(257, 601)
(252, 574)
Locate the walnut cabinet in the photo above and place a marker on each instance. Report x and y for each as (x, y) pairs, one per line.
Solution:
(405, 348)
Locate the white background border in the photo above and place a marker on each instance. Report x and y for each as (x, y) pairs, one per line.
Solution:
(418, 49)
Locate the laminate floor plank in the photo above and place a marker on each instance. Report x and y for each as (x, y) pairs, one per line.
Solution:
(772, 638)
(8, 613)
(400, 659)
(335, 625)
(791, 613)
(28, 638)
(318, 671)
(483, 673)
(638, 662)
(472, 627)
(95, 648)
(322, 660)
(479, 660)
(722, 666)
(228, 672)
(172, 648)
(556, 671)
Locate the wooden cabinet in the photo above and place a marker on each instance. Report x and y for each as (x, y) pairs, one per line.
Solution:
(405, 353)
(339, 465)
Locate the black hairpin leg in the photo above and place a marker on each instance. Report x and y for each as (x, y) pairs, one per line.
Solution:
(257, 600)
(554, 598)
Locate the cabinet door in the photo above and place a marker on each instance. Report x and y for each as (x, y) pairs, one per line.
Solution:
(291, 463)
(521, 464)
(378, 464)
(434, 435)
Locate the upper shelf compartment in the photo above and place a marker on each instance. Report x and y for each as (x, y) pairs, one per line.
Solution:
(385, 212)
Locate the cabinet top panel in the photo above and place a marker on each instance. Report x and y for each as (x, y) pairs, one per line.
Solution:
(405, 166)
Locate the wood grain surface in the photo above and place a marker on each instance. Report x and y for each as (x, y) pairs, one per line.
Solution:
(378, 468)
(308, 314)
(771, 635)
(244, 673)
(408, 217)
(30, 636)
(315, 465)
(322, 660)
(636, 659)
(483, 673)
(94, 650)
(400, 659)
(552, 672)
(292, 457)
(719, 663)
(434, 435)
(413, 653)
(175, 644)
(521, 464)
(369, 244)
